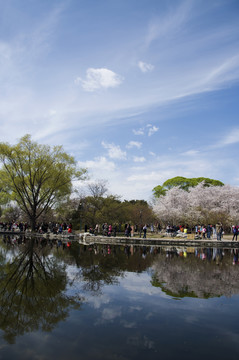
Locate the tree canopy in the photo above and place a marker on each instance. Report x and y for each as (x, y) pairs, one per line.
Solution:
(184, 184)
(36, 176)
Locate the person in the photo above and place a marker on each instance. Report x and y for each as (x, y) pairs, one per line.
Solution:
(129, 229)
(60, 230)
(219, 231)
(235, 232)
(109, 230)
(214, 233)
(69, 230)
(145, 231)
(209, 231)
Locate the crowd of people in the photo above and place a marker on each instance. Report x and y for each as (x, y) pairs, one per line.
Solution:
(14, 226)
(209, 231)
(128, 230)
(41, 228)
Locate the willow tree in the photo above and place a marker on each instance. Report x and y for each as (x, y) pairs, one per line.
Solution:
(36, 176)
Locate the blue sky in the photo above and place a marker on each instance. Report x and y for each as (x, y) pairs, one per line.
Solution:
(138, 91)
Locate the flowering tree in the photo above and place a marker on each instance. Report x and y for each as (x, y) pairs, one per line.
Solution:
(199, 204)
(172, 207)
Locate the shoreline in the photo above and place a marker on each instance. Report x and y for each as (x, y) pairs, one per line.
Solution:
(88, 239)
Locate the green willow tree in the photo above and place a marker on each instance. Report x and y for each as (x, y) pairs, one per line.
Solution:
(36, 176)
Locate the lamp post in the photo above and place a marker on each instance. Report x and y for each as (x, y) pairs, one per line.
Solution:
(80, 205)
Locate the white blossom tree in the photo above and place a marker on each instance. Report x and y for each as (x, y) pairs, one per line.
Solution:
(199, 205)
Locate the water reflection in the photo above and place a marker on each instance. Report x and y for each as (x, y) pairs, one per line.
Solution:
(38, 291)
(32, 287)
(201, 273)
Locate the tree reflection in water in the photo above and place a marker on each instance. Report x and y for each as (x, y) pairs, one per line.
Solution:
(34, 282)
(97, 266)
(205, 273)
(32, 295)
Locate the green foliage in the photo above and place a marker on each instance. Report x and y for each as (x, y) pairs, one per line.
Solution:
(94, 210)
(159, 191)
(184, 184)
(36, 176)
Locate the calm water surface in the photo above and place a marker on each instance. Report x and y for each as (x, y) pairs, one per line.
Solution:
(117, 302)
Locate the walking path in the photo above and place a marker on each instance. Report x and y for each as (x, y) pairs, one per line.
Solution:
(87, 238)
(225, 243)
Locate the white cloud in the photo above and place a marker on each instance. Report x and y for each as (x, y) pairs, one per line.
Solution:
(99, 163)
(139, 177)
(191, 153)
(152, 130)
(144, 67)
(231, 138)
(139, 159)
(152, 153)
(99, 78)
(132, 144)
(138, 132)
(114, 151)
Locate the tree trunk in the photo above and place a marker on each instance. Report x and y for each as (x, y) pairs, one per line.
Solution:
(33, 223)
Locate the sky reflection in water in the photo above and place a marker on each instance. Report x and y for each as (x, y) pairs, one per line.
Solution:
(99, 302)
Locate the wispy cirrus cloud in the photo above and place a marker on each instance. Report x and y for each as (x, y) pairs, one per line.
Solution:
(99, 79)
(160, 26)
(190, 153)
(232, 137)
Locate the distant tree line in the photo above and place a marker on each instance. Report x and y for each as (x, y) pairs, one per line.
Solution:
(37, 186)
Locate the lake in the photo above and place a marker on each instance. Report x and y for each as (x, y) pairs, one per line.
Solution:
(72, 301)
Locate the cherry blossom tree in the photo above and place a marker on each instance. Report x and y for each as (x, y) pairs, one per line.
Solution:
(199, 205)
